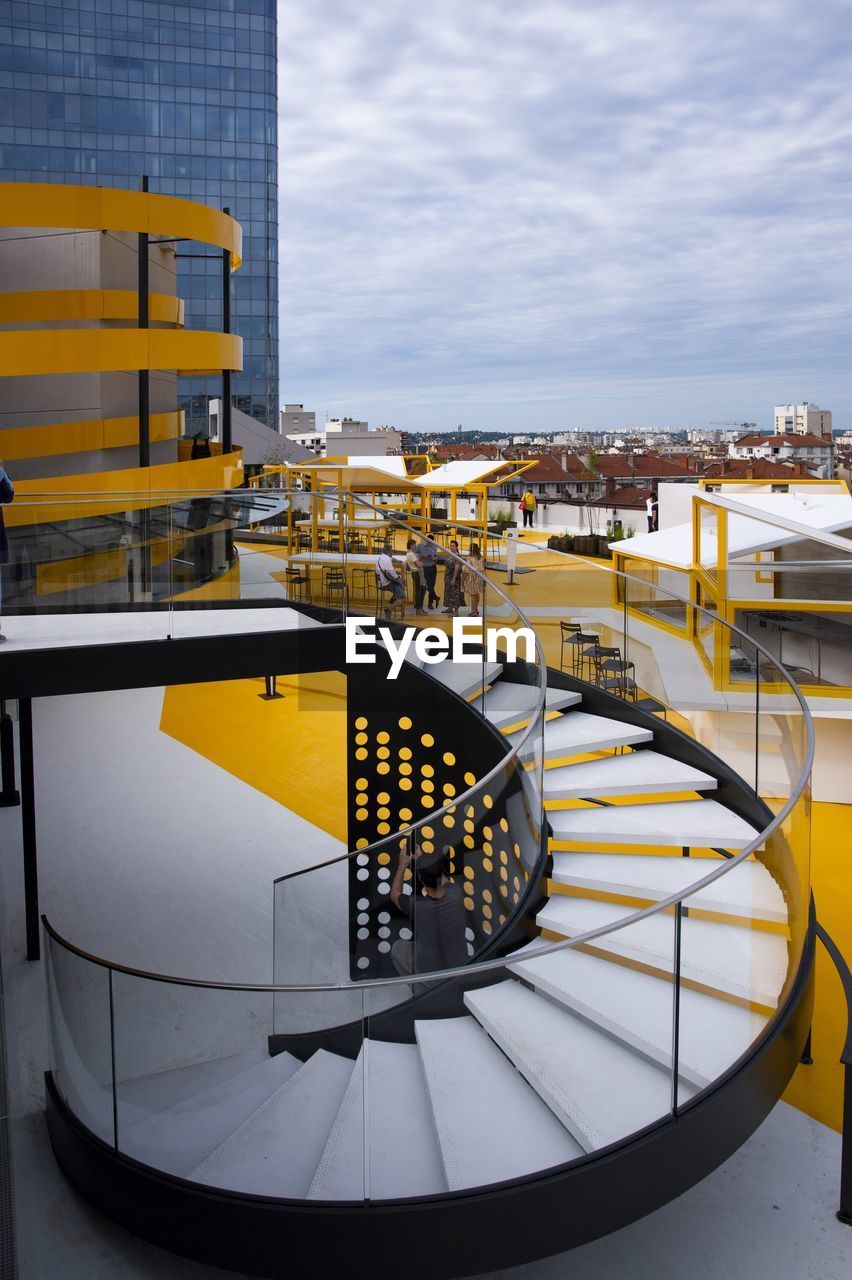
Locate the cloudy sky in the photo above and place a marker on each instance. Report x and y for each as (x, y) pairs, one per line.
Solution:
(565, 213)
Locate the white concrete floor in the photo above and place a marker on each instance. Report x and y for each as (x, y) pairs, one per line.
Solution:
(151, 855)
(767, 1213)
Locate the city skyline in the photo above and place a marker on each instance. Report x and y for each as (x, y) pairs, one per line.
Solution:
(573, 215)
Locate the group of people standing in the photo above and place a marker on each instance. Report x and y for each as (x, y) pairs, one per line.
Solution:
(462, 578)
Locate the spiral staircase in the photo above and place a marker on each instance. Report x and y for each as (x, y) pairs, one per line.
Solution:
(628, 1027)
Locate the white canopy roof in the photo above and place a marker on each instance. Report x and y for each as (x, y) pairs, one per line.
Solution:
(359, 471)
(379, 472)
(458, 474)
(822, 512)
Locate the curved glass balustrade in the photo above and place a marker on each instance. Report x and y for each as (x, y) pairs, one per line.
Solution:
(640, 980)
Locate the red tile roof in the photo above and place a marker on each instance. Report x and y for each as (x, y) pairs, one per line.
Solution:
(755, 469)
(789, 438)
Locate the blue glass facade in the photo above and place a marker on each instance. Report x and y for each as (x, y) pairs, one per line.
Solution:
(103, 91)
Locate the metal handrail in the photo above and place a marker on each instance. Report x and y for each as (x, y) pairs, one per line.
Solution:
(511, 758)
(488, 966)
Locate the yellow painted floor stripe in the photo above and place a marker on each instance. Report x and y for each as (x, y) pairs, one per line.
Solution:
(293, 750)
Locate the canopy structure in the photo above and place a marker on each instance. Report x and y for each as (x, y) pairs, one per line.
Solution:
(772, 563)
(820, 511)
(406, 487)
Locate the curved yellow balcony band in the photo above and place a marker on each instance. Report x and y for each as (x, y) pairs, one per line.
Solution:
(81, 437)
(105, 492)
(48, 204)
(87, 304)
(187, 351)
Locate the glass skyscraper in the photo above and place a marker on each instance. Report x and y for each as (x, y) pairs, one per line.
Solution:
(103, 91)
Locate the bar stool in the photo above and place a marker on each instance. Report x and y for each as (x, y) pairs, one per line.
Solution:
(363, 581)
(579, 644)
(385, 603)
(335, 585)
(566, 629)
(298, 585)
(619, 677)
(603, 654)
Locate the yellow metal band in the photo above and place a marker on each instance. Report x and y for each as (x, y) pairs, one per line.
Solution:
(64, 351)
(87, 304)
(106, 492)
(78, 437)
(44, 204)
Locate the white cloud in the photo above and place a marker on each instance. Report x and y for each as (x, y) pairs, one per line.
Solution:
(489, 207)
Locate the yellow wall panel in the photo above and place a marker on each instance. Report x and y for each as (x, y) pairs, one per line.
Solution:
(102, 492)
(81, 437)
(64, 351)
(87, 304)
(42, 204)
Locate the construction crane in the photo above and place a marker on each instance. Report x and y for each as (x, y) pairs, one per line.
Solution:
(727, 422)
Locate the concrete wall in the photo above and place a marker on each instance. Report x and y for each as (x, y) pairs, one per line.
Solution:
(35, 260)
(675, 503)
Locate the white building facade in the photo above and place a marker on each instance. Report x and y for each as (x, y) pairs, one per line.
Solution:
(348, 437)
(815, 452)
(802, 420)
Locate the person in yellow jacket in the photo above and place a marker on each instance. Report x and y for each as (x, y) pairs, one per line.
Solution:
(528, 507)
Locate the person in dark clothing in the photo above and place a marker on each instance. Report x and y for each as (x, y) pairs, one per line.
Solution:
(436, 911)
(200, 446)
(427, 554)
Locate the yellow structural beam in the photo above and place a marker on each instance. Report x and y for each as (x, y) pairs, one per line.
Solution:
(65, 351)
(87, 304)
(43, 204)
(83, 437)
(98, 493)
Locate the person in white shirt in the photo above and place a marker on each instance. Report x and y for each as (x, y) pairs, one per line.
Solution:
(651, 510)
(388, 578)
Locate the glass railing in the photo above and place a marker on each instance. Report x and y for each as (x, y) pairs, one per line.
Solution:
(426, 778)
(153, 1063)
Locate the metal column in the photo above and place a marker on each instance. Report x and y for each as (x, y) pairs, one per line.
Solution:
(226, 328)
(28, 829)
(144, 374)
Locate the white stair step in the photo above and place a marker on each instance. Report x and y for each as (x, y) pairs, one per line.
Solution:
(703, 824)
(179, 1138)
(600, 1090)
(638, 1009)
(491, 1125)
(746, 890)
(275, 1151)
(635, 773)
(729, 958)
(141, 1097)
(464, 678)
(403, 1158)
(578, 733)
(512, 704)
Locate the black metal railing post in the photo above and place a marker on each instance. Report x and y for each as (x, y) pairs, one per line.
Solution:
(9, 794)
(143, 320)
(844, 1212)
(226, 328)
(28, 829)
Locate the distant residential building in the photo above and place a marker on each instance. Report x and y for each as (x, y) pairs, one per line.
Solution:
(347, 437)
(802, 420)
(297, 420)
(814, 451)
